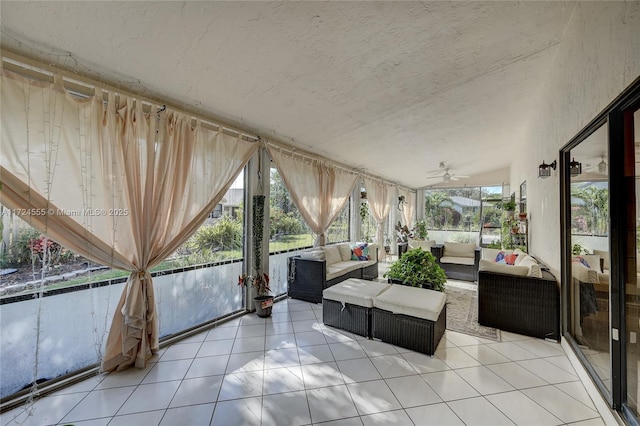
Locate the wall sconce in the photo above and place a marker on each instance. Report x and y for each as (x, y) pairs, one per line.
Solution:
(544, 170)
(401, 203)
(575, 167)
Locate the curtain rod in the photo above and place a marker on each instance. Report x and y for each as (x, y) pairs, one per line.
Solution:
(83, 83)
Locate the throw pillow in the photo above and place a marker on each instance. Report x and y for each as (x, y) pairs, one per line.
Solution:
(500, 257)
(581, 260)
(511, 258)
(360, 251)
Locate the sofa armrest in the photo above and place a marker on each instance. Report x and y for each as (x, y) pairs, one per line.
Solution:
(306, 279)
(476, 262)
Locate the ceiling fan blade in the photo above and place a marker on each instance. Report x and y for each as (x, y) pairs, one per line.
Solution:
(434, 177)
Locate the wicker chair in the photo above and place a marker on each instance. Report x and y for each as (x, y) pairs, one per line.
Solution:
(520, 304)
(466, 272)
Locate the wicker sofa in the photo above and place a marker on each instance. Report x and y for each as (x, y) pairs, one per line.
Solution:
(459, 261)
(321, 267)
(523, 298)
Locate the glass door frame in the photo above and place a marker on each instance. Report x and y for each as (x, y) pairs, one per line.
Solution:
(614, 117)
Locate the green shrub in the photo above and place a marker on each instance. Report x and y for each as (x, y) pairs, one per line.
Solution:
(285, 223)
(225, 234)
(417, 267)
(19, 252)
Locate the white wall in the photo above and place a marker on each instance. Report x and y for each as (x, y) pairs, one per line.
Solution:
(597, 58)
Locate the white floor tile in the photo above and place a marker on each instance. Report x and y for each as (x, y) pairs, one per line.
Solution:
(562, 362)
(483, 380)
(255, 330)
(577, 391)
(560, 404)
(148, 418)
(512, 351)
(94, 422)
(358, 370)
(216, 347)
(221, 333)
(306, 325)
(335, 335)
(541, 347)
(456, 358)
(48, 410)
(192, 415)
(181, 351)
(449, 386)
(245, 361)
(281, 380)
(392, 366)
(460, 339)
(89, 384)
(278, 317)
(279, 328)
(280, 341)
(396, 418)
(330, 403)
(516, 375)
(241, 385)
(522, 410)
(347, 350)
(277, 358)
(310, 338)
(303, 315)
(248, 344)
(196, 338)
(285, 409)
(208, 366)
(484, 354)
(167, 371)
(351, 421)
(118, 379)
(241, 412)
(591, 422)
(435, 414)
(424, 363)
(251, 319)
(315, 354)
(321, 375)
(373, 397)
(100, 403)
(478, 411)
(201, 390)
(154, 396)
(412, 391)
(376, 348)
(547, 371)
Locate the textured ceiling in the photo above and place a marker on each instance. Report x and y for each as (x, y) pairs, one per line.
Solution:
(391, 87)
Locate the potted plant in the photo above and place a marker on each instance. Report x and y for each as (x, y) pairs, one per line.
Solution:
(259, 281)
(420, 231)
(509, 207)
(417, 268)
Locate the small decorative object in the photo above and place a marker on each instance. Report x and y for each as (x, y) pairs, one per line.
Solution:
(259, 281)
(401, 202)
(417, 268)
(363, 195)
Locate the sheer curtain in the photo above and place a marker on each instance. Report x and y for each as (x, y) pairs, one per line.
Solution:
(319, 190)
(380, 201)
(409, 210)
(115, 184)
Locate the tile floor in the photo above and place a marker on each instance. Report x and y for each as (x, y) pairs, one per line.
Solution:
(290, 369)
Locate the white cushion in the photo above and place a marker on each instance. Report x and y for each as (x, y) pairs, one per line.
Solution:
(411, 301)
(459, 249)
(488, 266)
(424, 245)
(491, 254)
(521, 255)
(534, 267)
(593, 260)
(345, 251)
(355, 292)
(458, 260)
(312, 255)
(340, 268)
(582, 273)
(332, 254)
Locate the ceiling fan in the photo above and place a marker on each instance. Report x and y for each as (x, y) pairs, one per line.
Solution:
(446, 176)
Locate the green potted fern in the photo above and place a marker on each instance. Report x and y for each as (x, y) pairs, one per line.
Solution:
(417, 268)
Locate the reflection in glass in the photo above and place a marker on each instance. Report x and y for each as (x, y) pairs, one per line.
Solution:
(590, 287)
(632, 290)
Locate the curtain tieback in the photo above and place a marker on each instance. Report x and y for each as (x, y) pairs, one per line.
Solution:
(142, 275)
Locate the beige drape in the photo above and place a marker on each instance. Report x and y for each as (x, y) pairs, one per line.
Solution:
(409, 206)
(380, 201)
(319, 190)
(119, 186)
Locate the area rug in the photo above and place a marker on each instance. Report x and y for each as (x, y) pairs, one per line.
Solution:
(462, 311)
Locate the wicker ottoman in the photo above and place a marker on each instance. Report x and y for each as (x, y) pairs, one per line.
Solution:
(410, 317)
(347, 305)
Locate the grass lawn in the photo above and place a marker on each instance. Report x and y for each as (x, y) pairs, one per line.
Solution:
(288, 242)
